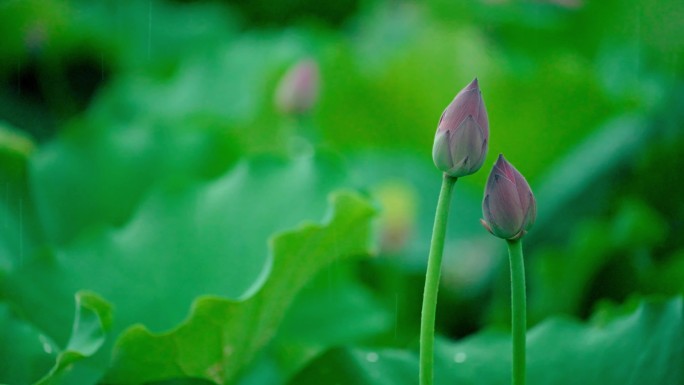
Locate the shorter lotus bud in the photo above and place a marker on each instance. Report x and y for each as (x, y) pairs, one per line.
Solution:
(509, 207)
(297, 91)
(462, 134)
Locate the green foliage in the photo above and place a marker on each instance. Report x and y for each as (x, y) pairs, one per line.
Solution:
(93, 320)
(221, 336)
(640, 347)
(98, 175)
(27, 351)
(141, 158)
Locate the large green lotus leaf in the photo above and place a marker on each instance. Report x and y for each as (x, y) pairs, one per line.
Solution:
(208, 238)
(96, 174)
(342, 366)
(221, 336)
(26, 352)
(334, 309)
(91, 324)
(642, 347)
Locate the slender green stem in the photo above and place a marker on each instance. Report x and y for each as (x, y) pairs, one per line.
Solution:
(518, 314)
(427, 324)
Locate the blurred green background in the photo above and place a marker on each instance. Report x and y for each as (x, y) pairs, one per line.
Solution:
(139, 143)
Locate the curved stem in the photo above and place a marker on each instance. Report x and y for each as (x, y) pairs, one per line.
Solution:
(427, 322)
(518, 313)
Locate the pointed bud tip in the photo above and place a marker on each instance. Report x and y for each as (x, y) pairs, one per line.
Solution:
(503, 165)
(473, 85)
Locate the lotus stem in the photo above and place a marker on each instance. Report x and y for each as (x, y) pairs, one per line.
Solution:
(427, 324)
(518, 311)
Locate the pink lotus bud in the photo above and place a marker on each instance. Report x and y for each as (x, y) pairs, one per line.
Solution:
(509, 207)
(462, 134)
(297, 91)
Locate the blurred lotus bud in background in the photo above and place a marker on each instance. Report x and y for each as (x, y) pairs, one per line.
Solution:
(462, 135)
(298, 89)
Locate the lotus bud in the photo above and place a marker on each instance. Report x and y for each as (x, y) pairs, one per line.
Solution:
(297, 91)
(509, 207)
(462, 134)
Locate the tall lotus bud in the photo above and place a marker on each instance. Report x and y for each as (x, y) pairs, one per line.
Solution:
(509, 207)
(462, 134)
(297, 91)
